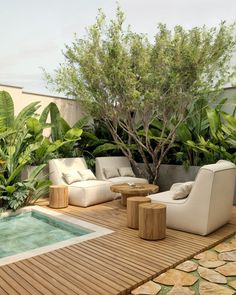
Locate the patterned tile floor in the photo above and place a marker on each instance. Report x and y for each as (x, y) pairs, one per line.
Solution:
(212, 272)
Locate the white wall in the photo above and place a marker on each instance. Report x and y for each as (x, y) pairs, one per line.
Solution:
(70, 109)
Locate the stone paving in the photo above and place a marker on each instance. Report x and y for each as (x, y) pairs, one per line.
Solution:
(212, 272)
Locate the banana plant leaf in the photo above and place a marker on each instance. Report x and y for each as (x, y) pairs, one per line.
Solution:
(6, 110)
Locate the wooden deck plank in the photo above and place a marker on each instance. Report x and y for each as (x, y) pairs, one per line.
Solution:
(57, 276)
(108, 265)
(10, 285)
(28, 289)
(39, 276)
(76, 276)
(100, 265)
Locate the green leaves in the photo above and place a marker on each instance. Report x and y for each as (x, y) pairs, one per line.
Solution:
(6, 110)
(73, 134)
(34, 126)
(105, 148)
(126, 81)
(214, 121)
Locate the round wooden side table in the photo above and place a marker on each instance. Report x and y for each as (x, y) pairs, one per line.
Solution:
(58, 196)
(127, 190)
(152, 221)
(133, 210)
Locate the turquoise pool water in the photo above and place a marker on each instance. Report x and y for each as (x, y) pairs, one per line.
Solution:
(31, 230)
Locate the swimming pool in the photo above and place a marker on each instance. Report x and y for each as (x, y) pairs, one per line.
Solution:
(34, 230)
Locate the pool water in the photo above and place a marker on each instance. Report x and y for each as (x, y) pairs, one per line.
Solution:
(31, 230)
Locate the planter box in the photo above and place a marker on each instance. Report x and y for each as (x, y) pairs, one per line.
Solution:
(170, 174)
(44, 174)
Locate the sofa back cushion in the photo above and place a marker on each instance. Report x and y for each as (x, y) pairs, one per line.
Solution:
(181, 190)
(71, 176)
(108, 162)
(86, 174)
(126, 171)
(64, 165)
(111, 172)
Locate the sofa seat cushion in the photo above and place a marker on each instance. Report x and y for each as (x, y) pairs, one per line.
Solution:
(90, 192)
(89, 183)
(165, 197)
(126, 179)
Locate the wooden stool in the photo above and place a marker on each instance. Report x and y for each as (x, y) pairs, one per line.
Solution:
(58, 196)
(133, 210)
(152, 221)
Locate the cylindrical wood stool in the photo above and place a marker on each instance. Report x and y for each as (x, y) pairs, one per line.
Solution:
(133, 210)
(152, 221)
(58, 196)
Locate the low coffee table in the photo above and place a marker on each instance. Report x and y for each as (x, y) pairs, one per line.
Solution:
(128, 190)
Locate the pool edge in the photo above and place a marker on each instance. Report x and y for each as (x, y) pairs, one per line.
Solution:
(97, 231)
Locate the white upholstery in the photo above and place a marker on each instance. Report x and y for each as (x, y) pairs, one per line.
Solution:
(115, 162)
(81, 193)
(209, 204)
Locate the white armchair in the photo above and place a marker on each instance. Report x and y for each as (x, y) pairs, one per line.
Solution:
(81, 193)
(115, 162)
(209, 204)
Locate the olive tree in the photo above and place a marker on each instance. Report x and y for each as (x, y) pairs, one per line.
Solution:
(144, 88)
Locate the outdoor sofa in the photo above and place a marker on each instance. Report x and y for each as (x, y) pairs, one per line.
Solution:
(116, 170)
(209, 203)
(82, 192)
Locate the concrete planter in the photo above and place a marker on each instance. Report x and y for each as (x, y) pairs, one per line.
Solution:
(170, 174)
(28, 169)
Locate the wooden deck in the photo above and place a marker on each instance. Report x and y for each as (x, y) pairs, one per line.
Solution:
(109, 265)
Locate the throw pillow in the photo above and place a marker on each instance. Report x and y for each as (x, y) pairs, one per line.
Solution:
(71, 176)
(86, 174)
(181, 190)
(126, 171)
(111, 172)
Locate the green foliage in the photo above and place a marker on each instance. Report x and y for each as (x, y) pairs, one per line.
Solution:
(20, 194)
(127, 82)
(221, 142)
(62, 139)
(16, 148)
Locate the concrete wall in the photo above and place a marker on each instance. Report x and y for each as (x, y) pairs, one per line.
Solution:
(229, 93)
(70, 109)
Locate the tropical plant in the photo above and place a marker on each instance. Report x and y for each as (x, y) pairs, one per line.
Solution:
(15, 153)
(221, 142)
(130, 83)
(63, 138)
(16, 194)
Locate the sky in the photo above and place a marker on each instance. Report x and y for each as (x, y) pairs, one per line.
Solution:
(34, 33)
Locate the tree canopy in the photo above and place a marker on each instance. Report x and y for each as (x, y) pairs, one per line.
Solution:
(145, 88)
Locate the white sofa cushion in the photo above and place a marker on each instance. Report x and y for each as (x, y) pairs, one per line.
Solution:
(117, 162)
(111, 172)
(126, 171)
(225, 162)
(90, 192)
(181, 190)
(86, 174)
(81, 193)
(166, 197)
(71, 176)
